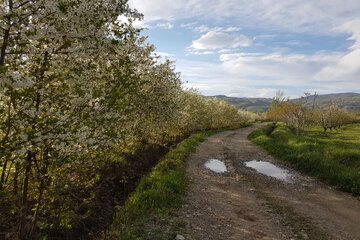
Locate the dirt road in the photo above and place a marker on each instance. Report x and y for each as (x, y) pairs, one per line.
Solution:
(242, 203)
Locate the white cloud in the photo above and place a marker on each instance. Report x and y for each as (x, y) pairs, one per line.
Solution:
(232, 29)
(260, 75)
(205, 28)
(264, 36)
(243, 74)
(219, 40)
(238, 91)
(352, 27)
(319, 16)
(277, 68)
(225, 50)
(165, 25)
(346, 67)
(200, 52)
(296, 43)
(165, 54)
(266, 92)
(188, 25)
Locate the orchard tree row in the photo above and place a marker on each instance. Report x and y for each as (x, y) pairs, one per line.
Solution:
(299, 115)
(78, 84)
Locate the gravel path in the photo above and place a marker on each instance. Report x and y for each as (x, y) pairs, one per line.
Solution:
(244, 204)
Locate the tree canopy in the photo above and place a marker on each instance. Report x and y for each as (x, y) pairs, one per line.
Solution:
(78, 83)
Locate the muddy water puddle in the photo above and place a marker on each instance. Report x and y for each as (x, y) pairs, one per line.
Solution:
(270, 170)
(216, 165)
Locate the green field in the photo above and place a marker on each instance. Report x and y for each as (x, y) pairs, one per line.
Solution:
(333, 157)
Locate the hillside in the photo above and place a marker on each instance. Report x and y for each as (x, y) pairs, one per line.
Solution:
(250, 104)
(349, 101)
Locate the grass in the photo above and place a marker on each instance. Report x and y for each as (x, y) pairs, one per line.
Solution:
(148, 212)
(333, 157)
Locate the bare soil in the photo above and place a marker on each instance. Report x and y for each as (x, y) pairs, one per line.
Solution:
(244, 204)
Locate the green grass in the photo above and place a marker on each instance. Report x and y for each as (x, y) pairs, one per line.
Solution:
(333, 157)
(148, 212)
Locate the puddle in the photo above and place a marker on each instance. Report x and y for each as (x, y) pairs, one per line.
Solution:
(215, 166)
(270, 170)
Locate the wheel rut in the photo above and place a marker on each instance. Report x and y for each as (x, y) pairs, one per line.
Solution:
(244, 204)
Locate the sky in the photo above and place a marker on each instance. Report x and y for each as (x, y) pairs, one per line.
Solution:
(253, 48)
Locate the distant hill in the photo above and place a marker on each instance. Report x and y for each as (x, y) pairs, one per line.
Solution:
(250, 104)
(348, 101)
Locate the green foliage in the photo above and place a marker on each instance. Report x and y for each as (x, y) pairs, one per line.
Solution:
(79, 90)
(302, 113)
(157, 195)
(333, 157)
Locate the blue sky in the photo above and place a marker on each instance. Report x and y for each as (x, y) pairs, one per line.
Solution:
(246, 48)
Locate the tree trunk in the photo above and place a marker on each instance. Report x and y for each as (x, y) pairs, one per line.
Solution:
(24, 202)
(43, 184)
(3, 173)
(6, 36)
(9, 171)
(37, 210)
(16, 179)
(4, 46)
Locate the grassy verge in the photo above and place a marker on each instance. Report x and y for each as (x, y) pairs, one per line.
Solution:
(333, 157)
(147, 214)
